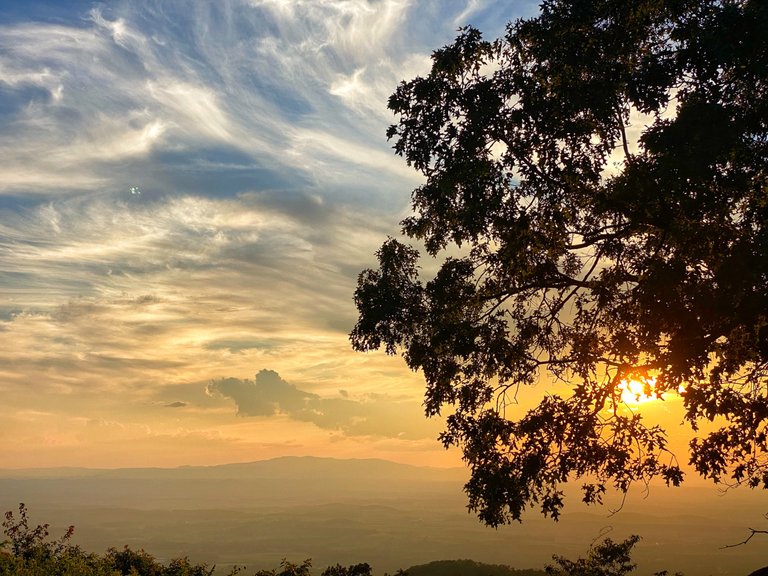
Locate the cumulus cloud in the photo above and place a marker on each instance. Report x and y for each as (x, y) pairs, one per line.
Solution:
(269, 395)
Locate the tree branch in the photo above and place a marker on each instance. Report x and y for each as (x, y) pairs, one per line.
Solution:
(747, 539)
(624, 142)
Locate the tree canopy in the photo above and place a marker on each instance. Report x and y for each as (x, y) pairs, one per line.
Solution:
(596, 194)
(606, 558)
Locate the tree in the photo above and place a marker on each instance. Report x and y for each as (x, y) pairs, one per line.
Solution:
(560, 261)
(130, 562)
(27, 543)
(289, 569)
(363, 569)
(606, 558)
(29, 552)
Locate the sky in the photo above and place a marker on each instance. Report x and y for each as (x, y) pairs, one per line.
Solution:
(189, 191)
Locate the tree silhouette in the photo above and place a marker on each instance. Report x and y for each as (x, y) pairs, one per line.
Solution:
(27, 542)
(363, 569)
(574, 252)
(289, 569)
(606, 558)
(29, 552)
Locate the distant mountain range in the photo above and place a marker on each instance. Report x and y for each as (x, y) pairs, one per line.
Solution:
(276, 468)
(280, 481)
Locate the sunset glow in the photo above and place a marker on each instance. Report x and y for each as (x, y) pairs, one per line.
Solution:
(637, 391)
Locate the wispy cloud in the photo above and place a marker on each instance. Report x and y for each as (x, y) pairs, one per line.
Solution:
(124, 84)
(189, 190)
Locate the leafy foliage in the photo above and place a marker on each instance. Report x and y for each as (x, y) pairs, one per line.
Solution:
(27, 542)
(289, 569)
(563, 262)
(29, 553)
(607, 558)
(127, 561)
(363, 569)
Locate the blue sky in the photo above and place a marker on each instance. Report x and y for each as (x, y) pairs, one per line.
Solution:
(189, 191)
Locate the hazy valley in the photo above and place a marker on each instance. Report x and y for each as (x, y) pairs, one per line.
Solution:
(348, 511)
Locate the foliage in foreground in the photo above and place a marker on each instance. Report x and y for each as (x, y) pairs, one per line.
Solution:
(29, 552)
(605, 558)
(575, 248)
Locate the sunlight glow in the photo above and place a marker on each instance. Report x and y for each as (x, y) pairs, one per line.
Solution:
(637, 391)
(640, 390)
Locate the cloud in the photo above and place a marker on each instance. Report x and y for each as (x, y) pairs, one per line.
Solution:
(270, 395)
(121, 84)
(266, 396)
(177, 404)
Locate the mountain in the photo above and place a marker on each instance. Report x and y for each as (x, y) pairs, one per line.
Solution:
(281, 481)
(276, 468)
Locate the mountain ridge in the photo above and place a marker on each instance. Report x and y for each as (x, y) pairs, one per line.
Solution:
(282, 466)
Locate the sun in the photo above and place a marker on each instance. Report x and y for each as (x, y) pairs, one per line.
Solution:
(641, 390)
(636, 391)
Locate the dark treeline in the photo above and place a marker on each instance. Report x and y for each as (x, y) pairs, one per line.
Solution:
(468, 568)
